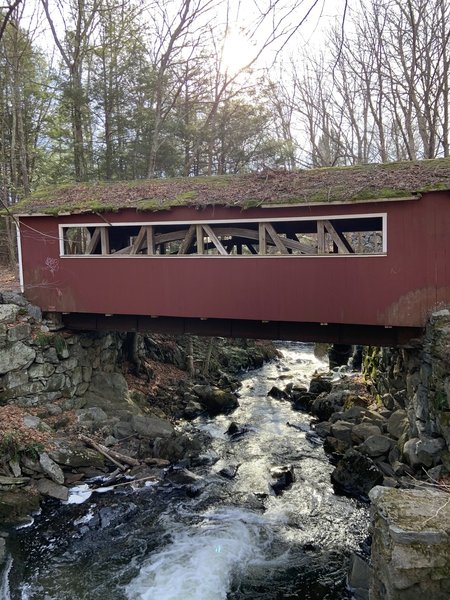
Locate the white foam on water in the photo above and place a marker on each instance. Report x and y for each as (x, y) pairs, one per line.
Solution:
(78, 494)
(27, 523)
(103, 490)
(85, 518)
(202, 560)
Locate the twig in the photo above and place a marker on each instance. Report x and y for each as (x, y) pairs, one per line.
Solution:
(111, 455)
(148, 478)
(436, 513)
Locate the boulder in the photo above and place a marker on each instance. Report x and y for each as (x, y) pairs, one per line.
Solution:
(123, 429)
(411, 551)
(192, 410)
(302, 400)
(328, 403)
(56, 383)
(400, 468)
(16, 356)
(16, 481)
(94, 414)
(33, 422)
(47, 487)
(362, 431)
(53, 409)
(21, 331)
(388, 401)
(51, 468)
(359, 577)
(17, 505)
(397, 424)
(284, 477)
(334, 446)
(30, 465)
(75, 455)
(337, 416)
(356, 474)
(15, 379)
(437, 473)
(15, 467)
(410, 452)
(296, 388)
(109, 391)
(151, 427)
(323, 429)
(375, 445)
(14, 298)
(176, 448)
(277, 393)
(385, 467)
(110, 441)
(319, 384)
(235, 430)
(181, 477)
(215, 400)
(8, 313)
(339, 355)
(342, 430)
(428, 451)
(354, 413)
(443, 425)
(230, 471)
(370, 416)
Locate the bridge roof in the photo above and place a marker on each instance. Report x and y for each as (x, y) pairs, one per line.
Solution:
(400, 180)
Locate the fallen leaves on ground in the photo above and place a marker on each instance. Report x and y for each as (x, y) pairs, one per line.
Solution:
(8, 280)
(15, 435)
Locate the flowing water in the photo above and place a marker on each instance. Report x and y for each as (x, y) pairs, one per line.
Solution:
(223, 539)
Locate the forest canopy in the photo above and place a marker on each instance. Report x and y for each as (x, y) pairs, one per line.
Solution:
(114, 90)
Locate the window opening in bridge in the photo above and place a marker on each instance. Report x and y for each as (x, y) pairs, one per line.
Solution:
(357, 235)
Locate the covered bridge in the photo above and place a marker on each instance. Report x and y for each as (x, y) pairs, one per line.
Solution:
(347, 254)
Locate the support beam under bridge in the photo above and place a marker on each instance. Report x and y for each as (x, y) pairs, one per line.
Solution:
(273, 330)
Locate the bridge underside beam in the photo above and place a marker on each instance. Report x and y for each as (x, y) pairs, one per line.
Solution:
(273, 330)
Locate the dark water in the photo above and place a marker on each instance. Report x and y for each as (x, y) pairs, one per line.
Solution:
(232, 541)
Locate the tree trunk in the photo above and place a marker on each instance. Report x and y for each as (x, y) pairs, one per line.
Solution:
(207, 359)
(190, 356)
(131, 346)
(12, 244)
(76, 93)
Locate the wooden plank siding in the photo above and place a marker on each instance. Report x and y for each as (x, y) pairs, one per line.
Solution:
(396, 289)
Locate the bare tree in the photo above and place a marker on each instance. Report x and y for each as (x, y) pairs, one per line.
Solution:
(73, 48)
(178, 37)
(6, 13)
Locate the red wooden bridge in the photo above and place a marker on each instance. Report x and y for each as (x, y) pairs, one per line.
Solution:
(349, 255)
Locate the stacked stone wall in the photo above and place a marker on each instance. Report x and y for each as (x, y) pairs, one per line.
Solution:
(39, 367)
(411, 544)
(417, 381)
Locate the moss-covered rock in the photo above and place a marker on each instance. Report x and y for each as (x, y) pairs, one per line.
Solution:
(410, 549)
(18, 505)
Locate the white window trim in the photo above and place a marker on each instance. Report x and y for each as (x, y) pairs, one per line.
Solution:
(102, 223)
(19, 257)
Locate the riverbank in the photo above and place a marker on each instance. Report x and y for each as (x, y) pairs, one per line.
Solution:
(75, 406)
(220, 526)
(368, 443)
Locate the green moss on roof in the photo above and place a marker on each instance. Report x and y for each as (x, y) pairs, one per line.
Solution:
(269, 188)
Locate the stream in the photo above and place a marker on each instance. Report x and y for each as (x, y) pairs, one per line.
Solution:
(220, 539)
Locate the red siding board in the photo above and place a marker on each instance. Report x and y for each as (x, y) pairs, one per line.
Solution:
(398, 289)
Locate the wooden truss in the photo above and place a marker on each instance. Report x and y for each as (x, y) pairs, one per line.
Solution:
(203, 239)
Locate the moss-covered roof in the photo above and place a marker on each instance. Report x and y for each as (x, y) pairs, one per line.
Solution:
(327, 185)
